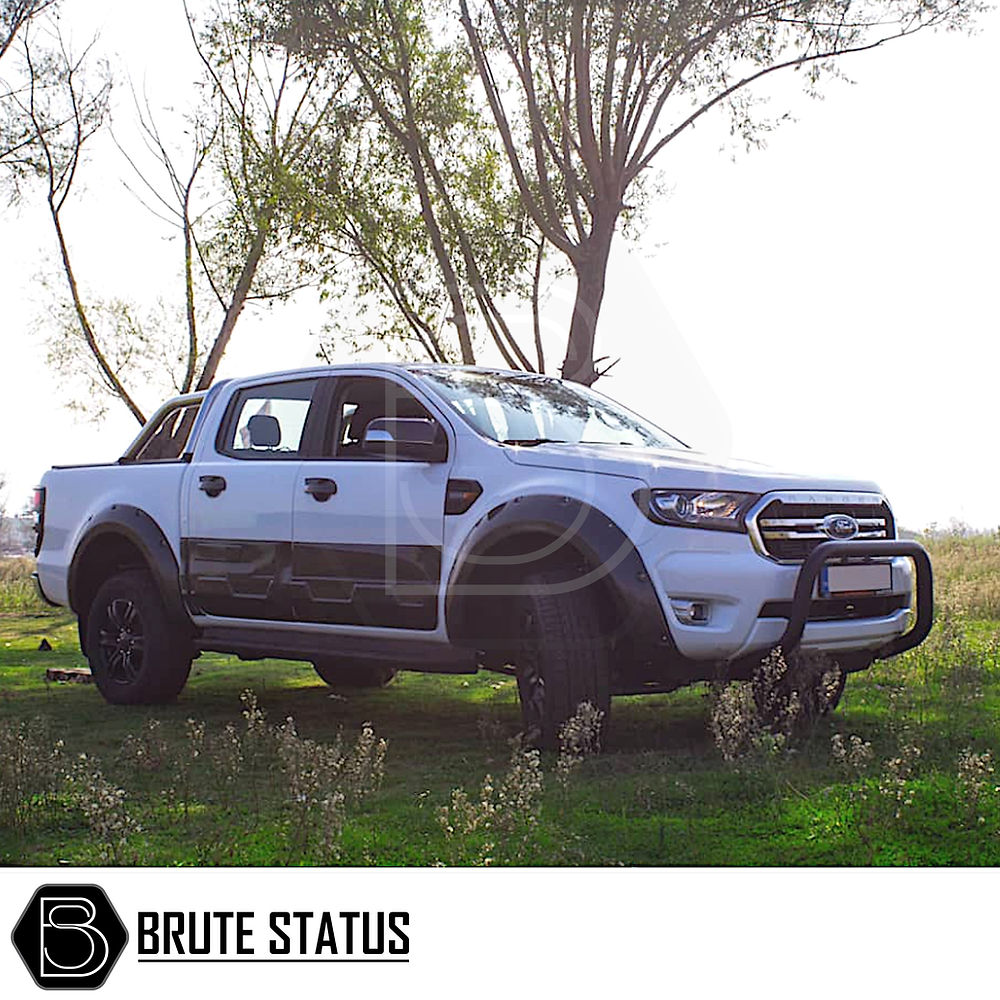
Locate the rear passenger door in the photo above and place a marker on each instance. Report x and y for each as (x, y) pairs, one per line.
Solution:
(236, 544)
(368, 529)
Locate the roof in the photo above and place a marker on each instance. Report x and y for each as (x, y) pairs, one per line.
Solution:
(396, 366)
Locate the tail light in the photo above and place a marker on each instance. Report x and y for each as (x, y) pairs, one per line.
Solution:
(38, 509)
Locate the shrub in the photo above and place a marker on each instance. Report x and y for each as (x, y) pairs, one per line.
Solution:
(759, 717)
(579, 738)
(323, 780)
(976, 784)
(501, 823)
(30, 770)
(149, 751)
(103, 806)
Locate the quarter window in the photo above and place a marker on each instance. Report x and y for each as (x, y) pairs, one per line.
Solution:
(165, 440)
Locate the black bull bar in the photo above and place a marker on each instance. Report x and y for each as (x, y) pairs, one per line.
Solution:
(826, 551)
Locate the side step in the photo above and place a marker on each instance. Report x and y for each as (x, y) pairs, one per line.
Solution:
(403, 654)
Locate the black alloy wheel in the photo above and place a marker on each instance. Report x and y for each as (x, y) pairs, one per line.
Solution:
(122, 641)
(137, 655)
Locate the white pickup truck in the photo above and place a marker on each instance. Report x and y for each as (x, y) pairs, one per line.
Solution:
(368, 518)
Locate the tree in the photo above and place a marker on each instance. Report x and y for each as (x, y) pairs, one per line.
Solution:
(16, 17)
(233, 196)
(273, 113)
(430, 216)
(585, 95)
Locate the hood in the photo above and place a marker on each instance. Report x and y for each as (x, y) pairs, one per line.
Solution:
(682, 470)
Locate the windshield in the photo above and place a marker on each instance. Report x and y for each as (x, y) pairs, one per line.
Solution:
(535, 409)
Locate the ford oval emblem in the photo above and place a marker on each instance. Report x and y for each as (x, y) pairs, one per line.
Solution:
(840, 527)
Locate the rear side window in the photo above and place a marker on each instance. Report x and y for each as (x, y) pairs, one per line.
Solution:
(166, 437)
(268, 421)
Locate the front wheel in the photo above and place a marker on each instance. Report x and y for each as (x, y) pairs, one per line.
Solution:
(562, 658)
(135, 655)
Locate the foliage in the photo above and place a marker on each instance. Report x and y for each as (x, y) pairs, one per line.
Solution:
(434, 233)
(29, 770)
(233, 196)
(501, 822)
(587, 93)
(18, 19)
(17, 589)
(966, 569)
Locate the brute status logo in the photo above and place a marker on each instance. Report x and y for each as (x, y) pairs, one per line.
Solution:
(69, 937)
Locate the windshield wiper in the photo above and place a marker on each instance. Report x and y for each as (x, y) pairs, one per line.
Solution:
(531, 442)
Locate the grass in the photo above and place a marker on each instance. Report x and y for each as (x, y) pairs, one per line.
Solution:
(17, 590)
(968, 570)
(660, 795)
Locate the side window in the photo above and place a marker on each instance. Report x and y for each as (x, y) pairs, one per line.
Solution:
(358, 403)
(166, 440)
(268, 421)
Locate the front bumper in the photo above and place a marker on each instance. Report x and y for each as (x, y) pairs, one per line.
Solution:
(741, 589)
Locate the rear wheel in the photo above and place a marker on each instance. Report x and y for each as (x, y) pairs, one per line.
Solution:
(562, 657)
(135, 654)
(339, 671)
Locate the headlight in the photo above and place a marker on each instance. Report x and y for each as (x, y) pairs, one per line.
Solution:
(694, 509)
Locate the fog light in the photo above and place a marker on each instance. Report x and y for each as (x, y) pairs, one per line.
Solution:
(691, 612)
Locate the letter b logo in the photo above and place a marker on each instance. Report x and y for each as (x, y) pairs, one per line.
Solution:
(69, 937)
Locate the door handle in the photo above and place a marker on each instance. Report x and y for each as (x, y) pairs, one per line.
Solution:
(321, 489)
(212, 485)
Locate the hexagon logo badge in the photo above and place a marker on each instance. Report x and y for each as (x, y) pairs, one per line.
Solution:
(69, 937)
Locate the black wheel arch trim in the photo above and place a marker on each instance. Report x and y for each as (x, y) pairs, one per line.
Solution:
(140, 530)
(581, 529)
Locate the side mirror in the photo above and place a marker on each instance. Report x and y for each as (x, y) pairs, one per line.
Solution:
(406, 437)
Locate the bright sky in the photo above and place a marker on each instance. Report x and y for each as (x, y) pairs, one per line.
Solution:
(826, 304)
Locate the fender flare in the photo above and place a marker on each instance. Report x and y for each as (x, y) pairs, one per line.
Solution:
(576, 529)
(145, 535)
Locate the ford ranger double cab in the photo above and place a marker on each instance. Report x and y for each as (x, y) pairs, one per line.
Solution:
(369, 518)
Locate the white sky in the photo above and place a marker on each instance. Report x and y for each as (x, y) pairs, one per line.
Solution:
(827, 304)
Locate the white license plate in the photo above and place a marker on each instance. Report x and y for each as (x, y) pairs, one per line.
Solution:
(856, 579)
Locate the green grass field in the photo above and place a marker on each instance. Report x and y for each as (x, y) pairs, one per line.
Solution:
(153, 791)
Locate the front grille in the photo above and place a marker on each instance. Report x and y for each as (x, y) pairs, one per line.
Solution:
(790, 530)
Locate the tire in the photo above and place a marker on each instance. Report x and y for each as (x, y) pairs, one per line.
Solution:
(562, 658)
(136, 656)
(339, 671)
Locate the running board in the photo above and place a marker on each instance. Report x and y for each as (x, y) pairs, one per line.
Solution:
(403, 654)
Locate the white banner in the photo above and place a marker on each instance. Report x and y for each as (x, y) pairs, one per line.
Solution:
(501, 933)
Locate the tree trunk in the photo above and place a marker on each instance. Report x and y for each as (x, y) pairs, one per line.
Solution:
(591, 271)
(237, 302)
(113, 382)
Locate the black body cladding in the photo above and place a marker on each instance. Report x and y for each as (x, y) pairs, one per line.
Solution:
(373, 585)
